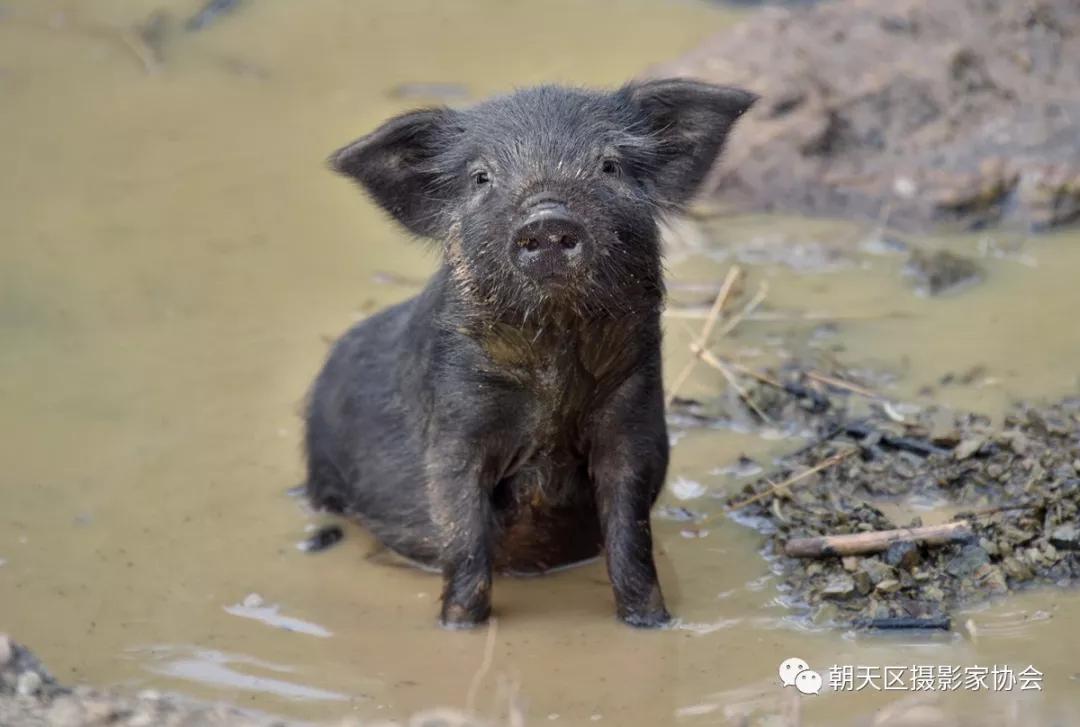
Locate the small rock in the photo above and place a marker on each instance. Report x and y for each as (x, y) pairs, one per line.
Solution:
(1065, 537)
(941, 272)
(877, 571)
(28, 684)
(850, 563)
(968, 447)
(904, 556)
(968, 561)
(889, 585)
(1033, 556)
(839, 586)
(989, 546)
(1016, 570)
(1019, 443)
(933, 593)
(991, 578)
(253, 600)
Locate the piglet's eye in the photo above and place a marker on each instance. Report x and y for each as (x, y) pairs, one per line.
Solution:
(610, 167)
(481, 177)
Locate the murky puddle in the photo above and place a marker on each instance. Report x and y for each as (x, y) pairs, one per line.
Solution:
(173, 256)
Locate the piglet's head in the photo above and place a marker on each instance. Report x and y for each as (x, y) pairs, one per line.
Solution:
(550, 197)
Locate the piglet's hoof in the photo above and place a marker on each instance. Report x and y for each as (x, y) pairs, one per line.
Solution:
(653, 619)
(456, 617)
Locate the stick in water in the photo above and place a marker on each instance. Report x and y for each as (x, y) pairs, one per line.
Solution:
(876, 541)
(780, 486)
(703, 338)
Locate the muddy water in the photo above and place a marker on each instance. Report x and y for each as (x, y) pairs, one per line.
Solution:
(173, 256)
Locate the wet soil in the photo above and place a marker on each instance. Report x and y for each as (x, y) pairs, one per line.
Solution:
(920, 112)
(1017, 484)
(31, 697)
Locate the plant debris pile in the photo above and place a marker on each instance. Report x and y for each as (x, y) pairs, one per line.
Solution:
(1017, 484)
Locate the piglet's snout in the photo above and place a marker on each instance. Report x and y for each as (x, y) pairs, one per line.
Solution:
(550, 241)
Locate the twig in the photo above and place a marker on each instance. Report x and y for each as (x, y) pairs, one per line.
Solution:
(824, 464)
(749, 308)
(841, 384)
(876, 541)
(717, 307)
(485, 666)
(706, 355)
(747, 371)
(799, 391)
(721, 300)
(679, 381)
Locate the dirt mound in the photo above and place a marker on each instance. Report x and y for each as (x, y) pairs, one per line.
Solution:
(1015, 488)
(920, 111)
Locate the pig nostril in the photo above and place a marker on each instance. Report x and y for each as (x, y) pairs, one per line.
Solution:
(567, 242)
(531, 244)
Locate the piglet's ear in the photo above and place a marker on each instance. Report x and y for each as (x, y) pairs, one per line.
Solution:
(691, 121)
(395, 164)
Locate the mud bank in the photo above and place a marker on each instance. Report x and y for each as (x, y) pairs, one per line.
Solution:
(1012, 489)
(919, 112)
(31, 697)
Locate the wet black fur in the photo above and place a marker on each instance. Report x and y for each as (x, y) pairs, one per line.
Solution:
(494, 422)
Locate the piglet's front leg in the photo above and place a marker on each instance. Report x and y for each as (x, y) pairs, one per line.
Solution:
(462, 512)
(628, 550)
(628, 464)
